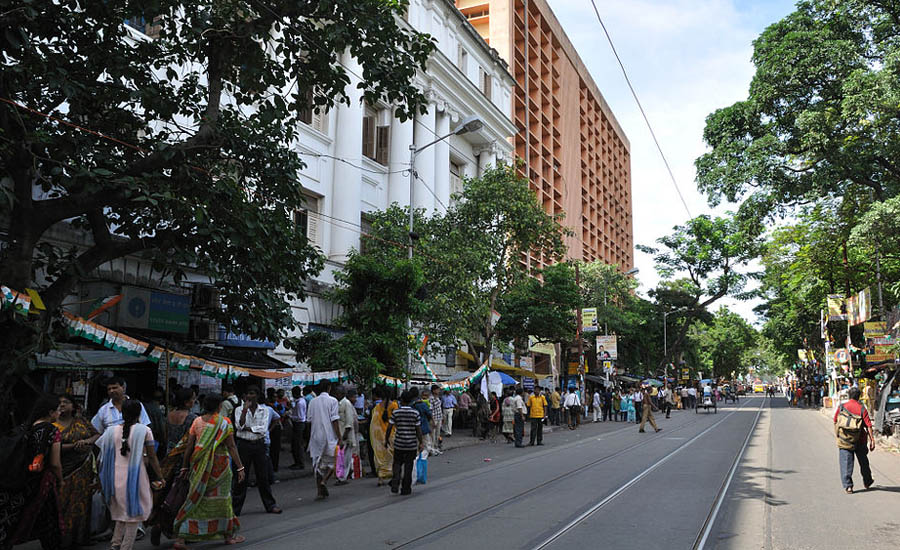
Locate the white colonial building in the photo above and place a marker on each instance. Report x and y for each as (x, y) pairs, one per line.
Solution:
(357, 155)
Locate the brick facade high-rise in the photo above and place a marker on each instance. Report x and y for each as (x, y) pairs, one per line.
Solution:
(577, 156)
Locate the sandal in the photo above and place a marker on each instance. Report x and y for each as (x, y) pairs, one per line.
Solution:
(849, 490)
(237, 539)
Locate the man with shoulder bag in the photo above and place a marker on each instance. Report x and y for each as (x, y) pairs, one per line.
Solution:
(853, 429)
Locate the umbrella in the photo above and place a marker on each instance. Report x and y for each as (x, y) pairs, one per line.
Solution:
(506, 379)
(653, 382)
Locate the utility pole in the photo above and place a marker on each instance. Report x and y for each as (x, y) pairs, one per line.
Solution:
(578, 327)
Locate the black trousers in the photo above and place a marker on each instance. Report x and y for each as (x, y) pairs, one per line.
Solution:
(253, 453)
(537, 430)
(404, 462)
(297, 429)
(667, 407)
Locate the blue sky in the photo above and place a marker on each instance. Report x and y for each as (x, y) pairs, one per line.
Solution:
(685, 58)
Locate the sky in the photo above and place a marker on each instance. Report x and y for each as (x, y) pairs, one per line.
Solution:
(685, 59)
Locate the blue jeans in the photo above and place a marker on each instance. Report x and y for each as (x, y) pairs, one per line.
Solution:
(518, 428)
(846, 460)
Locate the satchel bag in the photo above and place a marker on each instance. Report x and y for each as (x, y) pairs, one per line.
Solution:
(848, 428)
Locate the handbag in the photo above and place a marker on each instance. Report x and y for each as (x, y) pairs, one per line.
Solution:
(357, 467)
(178, 493)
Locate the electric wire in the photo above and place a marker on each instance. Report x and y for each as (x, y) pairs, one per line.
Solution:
(641, 108)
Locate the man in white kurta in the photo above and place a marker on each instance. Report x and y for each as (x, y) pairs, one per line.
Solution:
(349, 439)
(324, 435)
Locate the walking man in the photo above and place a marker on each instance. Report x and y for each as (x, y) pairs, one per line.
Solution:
(537, 407)
(449, 403)
(437, 417)
(298, 427)
(408, 442)
(638, 398)
(572, 404)
(349, 428)
(555, 403)
(251, 427)
(324, 435)
(853, 429)
(647, 411)
(596, 404)
(519, 418)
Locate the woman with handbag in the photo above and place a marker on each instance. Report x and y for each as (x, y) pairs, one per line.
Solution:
(32, 510)
(207, 513)
(77, 487)
(123, 474)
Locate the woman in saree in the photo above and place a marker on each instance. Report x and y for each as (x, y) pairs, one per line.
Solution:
(77, 437)
(178, 423)
(207, 512)
(32, 511)
(384, 455)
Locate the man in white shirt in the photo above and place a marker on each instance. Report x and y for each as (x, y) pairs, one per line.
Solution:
(596, 405)
(572, 405)
(519, 419)
(110, 413)
(298, 427)
(324, 435)
(638, 398)
(348, 426)
(251, 427)
(692, 396)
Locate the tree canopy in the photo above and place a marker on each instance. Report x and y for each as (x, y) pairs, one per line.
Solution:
(180, 146)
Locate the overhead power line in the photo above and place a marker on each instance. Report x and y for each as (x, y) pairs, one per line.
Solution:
(641, 108)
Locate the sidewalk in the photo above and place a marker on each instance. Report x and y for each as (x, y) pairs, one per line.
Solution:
(886, 443)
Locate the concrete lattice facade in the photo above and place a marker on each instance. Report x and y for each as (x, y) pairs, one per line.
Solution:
(577, 156)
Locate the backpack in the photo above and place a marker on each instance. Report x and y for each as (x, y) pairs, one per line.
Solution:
(15, 455)
(848, 428)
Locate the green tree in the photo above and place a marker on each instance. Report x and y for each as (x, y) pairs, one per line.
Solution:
(723, 343)
(540, 307)
(472, 255)
(376, 299)
(821, 116)
(201, 167)
(713, 254)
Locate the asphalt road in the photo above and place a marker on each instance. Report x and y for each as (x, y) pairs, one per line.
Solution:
(753, 475)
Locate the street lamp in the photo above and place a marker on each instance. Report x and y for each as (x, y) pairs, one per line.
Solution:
(469, 124)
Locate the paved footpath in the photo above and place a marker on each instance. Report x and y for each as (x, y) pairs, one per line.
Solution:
(606, 485)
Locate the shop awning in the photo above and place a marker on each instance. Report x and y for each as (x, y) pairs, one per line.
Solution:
(85, 359)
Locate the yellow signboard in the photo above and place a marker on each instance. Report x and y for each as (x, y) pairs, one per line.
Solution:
(589, 319)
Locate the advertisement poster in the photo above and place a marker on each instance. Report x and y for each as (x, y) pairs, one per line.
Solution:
(607, 348)
(878, 343)
(837, 308)
(859, 307)
(589, 319)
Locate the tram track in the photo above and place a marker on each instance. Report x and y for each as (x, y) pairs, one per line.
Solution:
(492, 471)
(709, 521)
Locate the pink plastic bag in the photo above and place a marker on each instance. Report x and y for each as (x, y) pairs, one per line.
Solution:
(340, 468)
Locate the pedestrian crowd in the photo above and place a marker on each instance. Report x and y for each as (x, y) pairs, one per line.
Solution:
(181, 463)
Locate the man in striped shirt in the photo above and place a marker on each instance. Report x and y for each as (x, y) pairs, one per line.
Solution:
(408, 442)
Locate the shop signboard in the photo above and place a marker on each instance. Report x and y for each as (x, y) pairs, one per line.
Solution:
(589, 319)
(229, 339)
(859, 307)
(154, 310)
(837, 308)
(607, 347)
(878, 342)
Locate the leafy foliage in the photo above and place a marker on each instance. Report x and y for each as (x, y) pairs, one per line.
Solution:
(201, 170)
(723, 343)
(821, 116)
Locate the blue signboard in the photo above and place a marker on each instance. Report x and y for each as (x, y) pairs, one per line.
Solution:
(230, 339)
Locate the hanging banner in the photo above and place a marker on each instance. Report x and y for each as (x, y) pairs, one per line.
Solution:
(589, 319)
(837, 308)
(859, 307)
(607, 347)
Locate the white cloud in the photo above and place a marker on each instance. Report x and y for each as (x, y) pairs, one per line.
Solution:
(685, 58)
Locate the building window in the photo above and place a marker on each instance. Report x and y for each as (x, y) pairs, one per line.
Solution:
(456, 185)
(484, 82)
(462, 60)
(376, 139)
(365, 229)
(307, 219)
(151, 26)
(314, 116)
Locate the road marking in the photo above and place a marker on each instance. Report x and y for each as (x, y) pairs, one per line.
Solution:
(724, 490)
(590, 511)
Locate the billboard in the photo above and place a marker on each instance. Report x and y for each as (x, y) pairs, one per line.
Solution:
(154, 310)
(837, 308)
(607, 348)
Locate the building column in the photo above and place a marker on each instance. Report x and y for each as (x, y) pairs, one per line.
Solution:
(425, 134)
(398, 181)
(442, 163)
(486, 158)
(346, 181)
